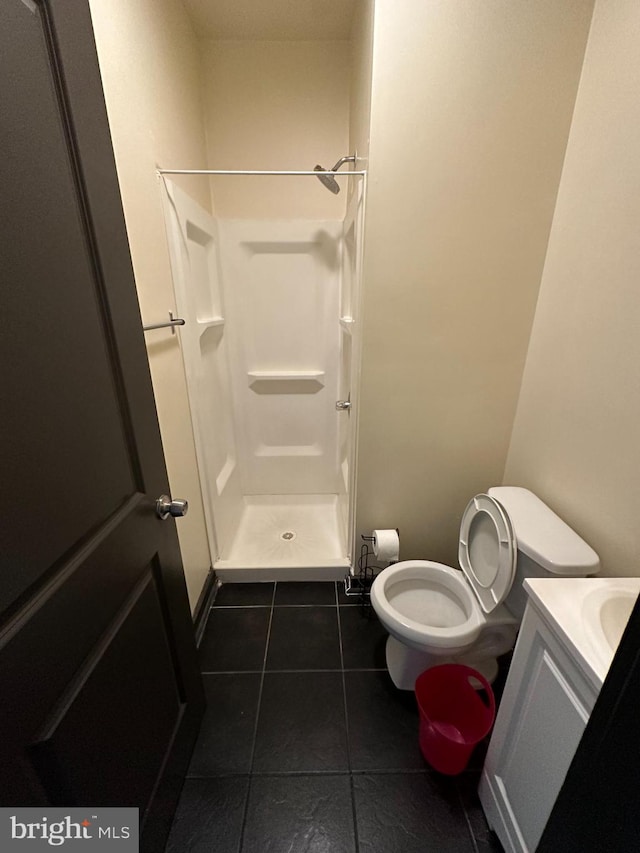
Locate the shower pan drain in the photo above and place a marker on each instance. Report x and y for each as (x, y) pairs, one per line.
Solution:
(288, 535)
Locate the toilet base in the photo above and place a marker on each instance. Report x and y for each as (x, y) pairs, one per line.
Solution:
(406, 664)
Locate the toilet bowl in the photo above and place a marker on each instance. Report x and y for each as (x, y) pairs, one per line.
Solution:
(433, 617)
(437, 614)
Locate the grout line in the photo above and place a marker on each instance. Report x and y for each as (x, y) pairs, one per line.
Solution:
(231, 672)
(474, 842)
(346, 724)
(255, 727)
(366, 669)
(276, 606)
(385, 771)
(244, 815)
(298, 671)
(308, 670)
(352, 791)
(230, 775)
(394, 771)
(264, 670)
(265, 774)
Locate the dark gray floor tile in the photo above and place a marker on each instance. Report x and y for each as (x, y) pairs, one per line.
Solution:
(304, 638)
(225, 741)
(243, 594)
(383, 724)
(234, 639)
(476, 762)
(301, 726)
(299, 814)
(209, 816)
(305, 592)
(410, 813)
(504, 664)
(486, 840)
(363, 639)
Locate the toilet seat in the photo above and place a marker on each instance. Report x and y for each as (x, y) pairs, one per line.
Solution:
(436, 614)
(468, 601)
(487, 551)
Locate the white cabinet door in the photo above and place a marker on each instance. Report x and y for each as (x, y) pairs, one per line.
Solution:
(543, 714)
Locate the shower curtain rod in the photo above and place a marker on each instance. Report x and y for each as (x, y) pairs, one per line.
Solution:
(356, 174)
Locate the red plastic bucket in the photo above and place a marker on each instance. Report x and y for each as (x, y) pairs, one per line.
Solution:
(453, 716)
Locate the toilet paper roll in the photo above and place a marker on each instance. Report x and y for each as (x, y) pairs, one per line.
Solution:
(386, 545)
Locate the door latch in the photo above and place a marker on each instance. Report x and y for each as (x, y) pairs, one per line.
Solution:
(165, 507)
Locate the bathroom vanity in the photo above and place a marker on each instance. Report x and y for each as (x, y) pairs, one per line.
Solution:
(569, 634)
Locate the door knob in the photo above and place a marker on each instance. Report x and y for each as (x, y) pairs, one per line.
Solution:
(165, 507)
(343, 405)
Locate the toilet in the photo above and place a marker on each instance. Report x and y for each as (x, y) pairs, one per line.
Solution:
(437, 614)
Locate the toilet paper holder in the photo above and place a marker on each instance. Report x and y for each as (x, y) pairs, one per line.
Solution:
(385, 545)
(371, 538)
(358, 584)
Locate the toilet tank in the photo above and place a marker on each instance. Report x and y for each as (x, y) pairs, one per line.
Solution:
(547, 546)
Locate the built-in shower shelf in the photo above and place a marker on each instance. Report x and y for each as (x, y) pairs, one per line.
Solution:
(285, 375)
(347, 324)
(214, 321)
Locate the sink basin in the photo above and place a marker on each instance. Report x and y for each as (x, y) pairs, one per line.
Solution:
(589, 615)
(614, 615)
(605, 613)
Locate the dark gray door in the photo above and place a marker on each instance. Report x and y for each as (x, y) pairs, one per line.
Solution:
(101, 695)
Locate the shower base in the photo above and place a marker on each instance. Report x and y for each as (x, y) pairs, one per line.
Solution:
(286, 537)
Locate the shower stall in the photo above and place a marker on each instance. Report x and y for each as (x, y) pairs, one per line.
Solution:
(271, 343)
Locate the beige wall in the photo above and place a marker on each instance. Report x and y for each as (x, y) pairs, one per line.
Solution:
(149, 63)
(576, 438)
(361, 66)
(471, 108)
(275, 105)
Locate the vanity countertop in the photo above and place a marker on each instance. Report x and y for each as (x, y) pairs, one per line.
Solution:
(574, 606)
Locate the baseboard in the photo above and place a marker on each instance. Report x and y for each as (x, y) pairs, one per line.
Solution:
(229, 571)
(203, 606)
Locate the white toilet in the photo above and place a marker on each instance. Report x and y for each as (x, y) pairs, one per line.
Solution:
(436, 614)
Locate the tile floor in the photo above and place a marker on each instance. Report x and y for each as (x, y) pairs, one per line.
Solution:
(306, 746)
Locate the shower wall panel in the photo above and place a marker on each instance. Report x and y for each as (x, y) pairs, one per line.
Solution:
(282, 291)
(349, 361)
(195, 261)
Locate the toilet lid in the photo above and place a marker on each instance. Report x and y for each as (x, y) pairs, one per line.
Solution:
(487, 550)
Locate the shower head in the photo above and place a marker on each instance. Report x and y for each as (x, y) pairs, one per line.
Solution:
(330, 183)
(327, 180)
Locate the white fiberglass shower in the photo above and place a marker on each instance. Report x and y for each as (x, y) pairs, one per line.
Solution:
(271, 348)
